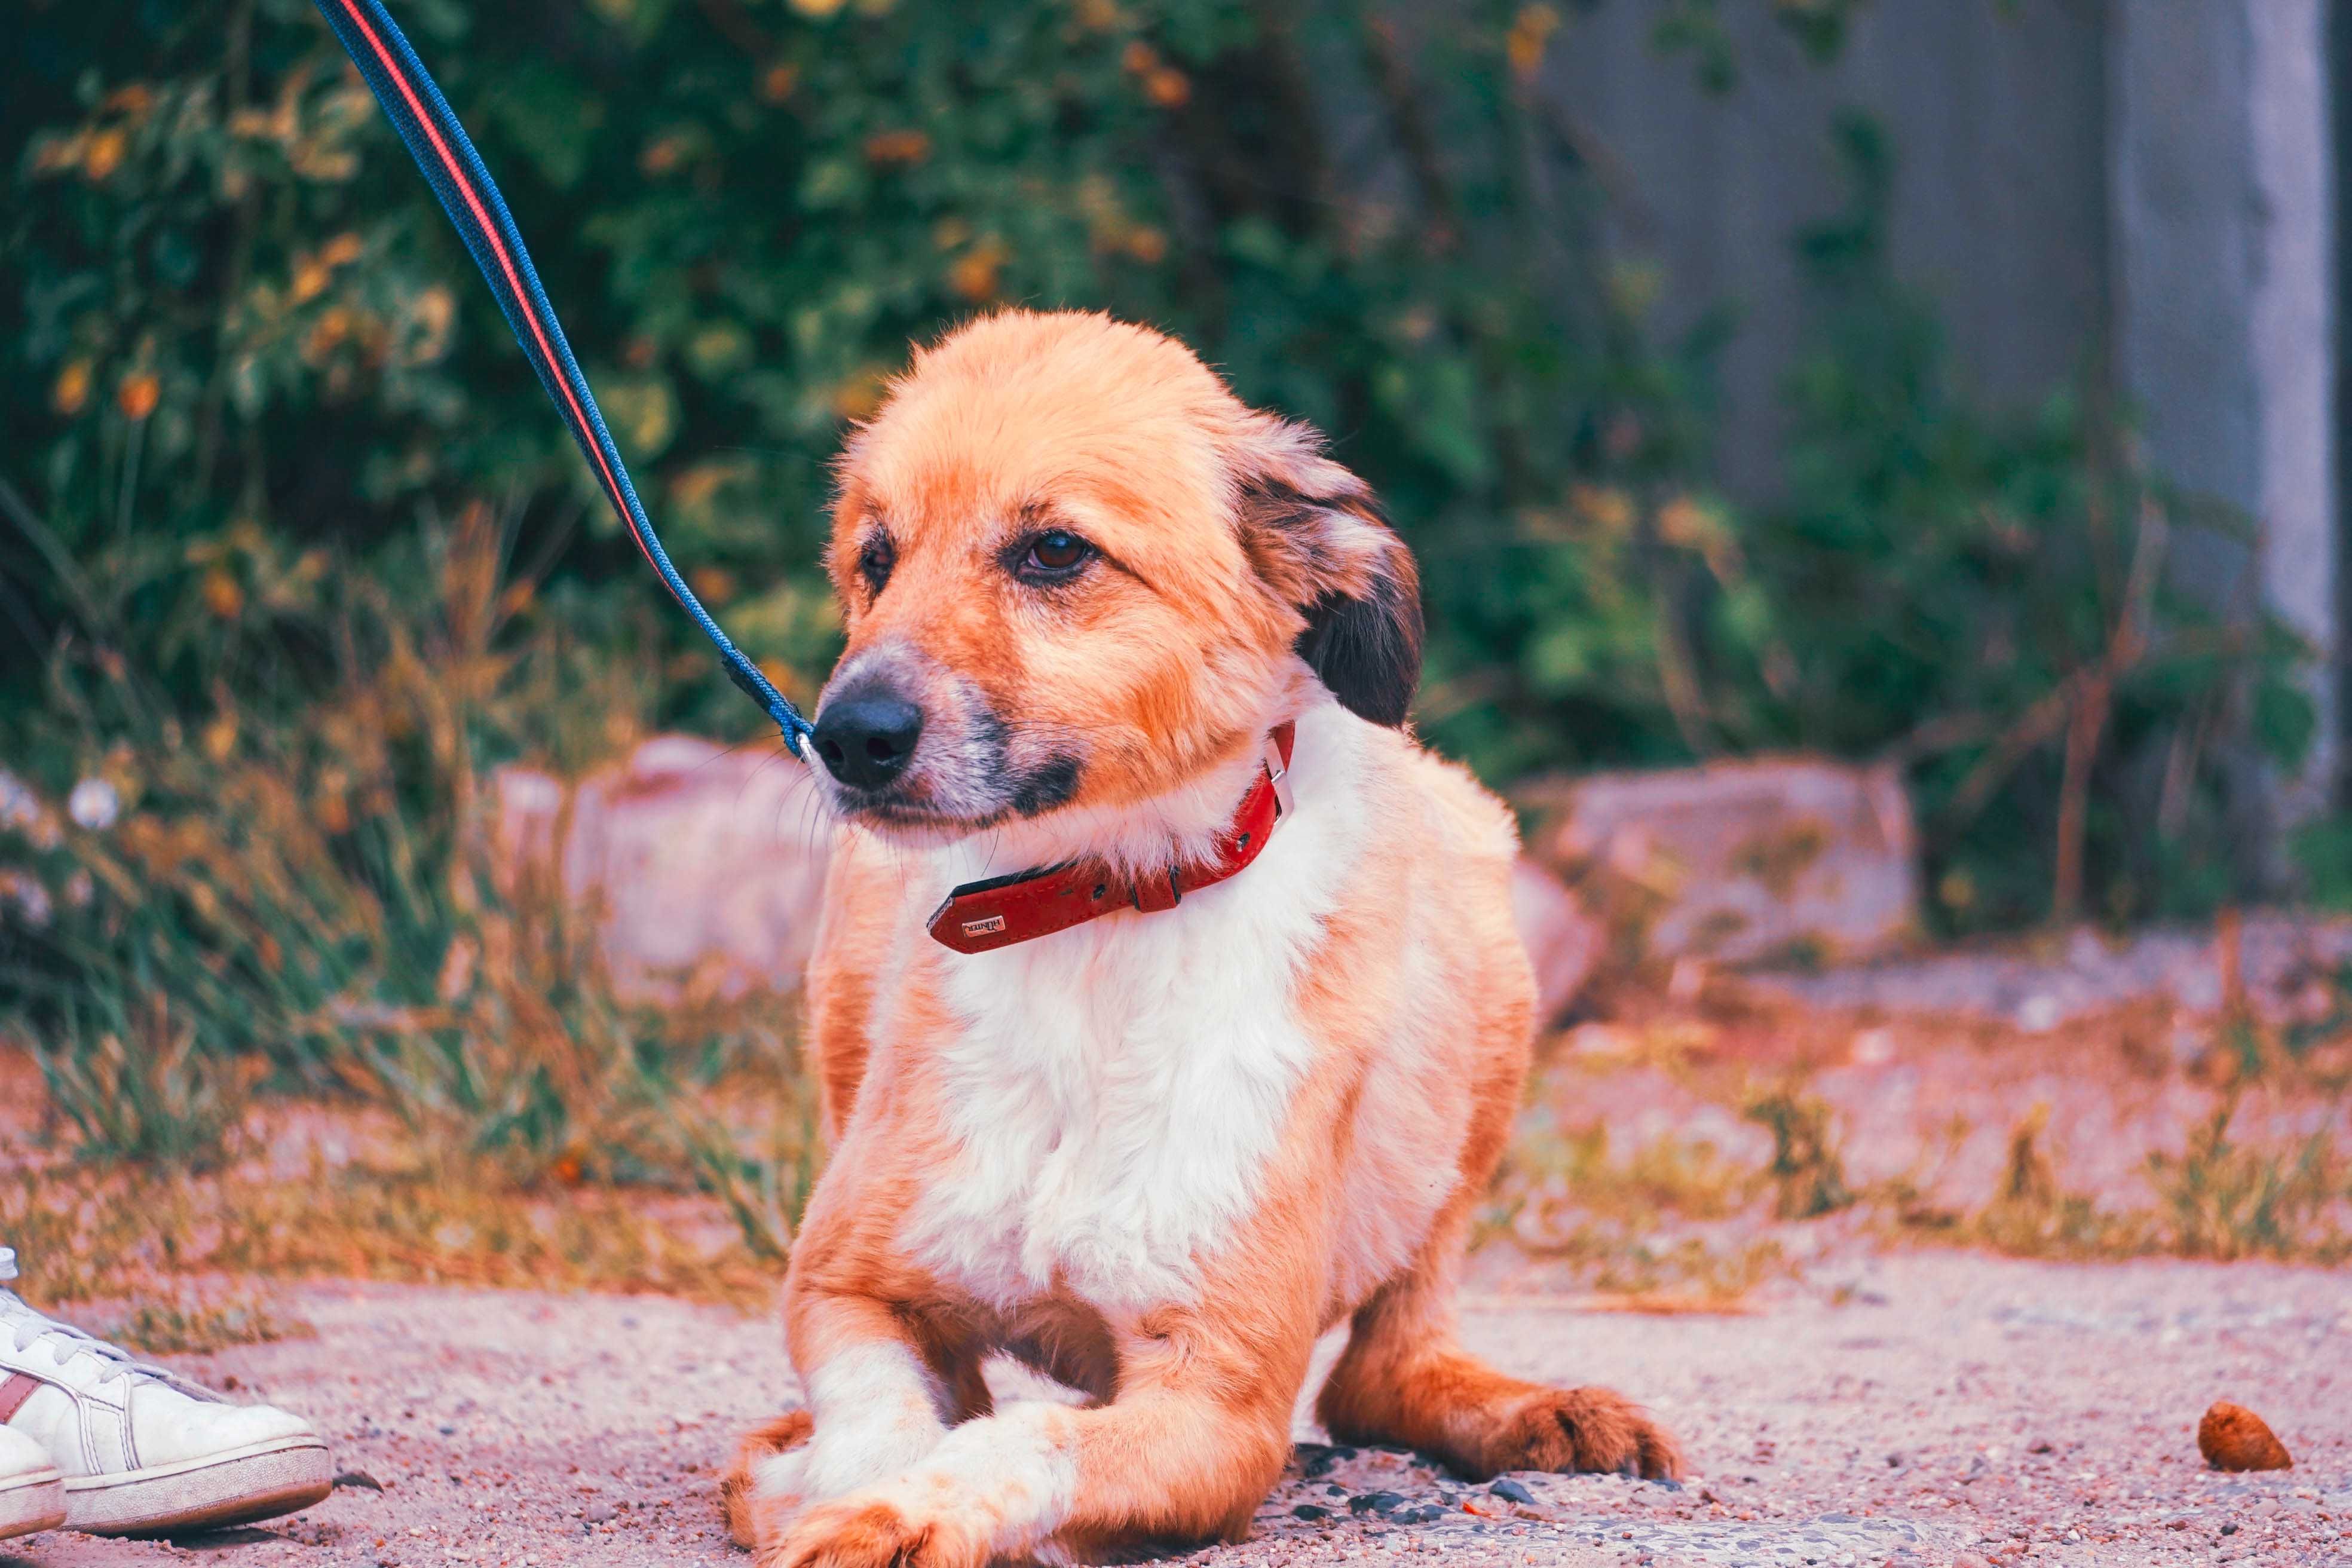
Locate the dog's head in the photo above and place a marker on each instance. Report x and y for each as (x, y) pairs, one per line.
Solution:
(1077, 573)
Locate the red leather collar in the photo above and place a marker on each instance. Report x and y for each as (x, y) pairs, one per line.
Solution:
(981, 916)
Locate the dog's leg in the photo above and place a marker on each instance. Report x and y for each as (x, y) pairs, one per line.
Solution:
(1197, 1437)
(877, 1404)
(1405, 1379)
(783, 1440)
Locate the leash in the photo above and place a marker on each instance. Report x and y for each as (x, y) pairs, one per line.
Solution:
(975, 918)
(450, 166)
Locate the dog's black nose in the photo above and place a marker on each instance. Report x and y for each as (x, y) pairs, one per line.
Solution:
(866, 739)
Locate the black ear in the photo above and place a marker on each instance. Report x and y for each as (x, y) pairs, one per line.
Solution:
(1317, 536)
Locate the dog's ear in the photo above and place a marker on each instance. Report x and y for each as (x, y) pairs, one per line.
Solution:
(1315, 535)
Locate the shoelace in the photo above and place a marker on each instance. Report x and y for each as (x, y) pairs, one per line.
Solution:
(27, 1326)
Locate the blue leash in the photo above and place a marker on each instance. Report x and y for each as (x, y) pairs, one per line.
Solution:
(446, 156)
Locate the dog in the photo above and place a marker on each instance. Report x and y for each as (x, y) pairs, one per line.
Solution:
(1156, 1153)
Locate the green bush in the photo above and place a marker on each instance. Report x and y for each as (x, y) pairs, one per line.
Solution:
(251, 376)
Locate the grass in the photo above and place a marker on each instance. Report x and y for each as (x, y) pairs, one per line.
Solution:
(1807, 1171)
(1667, 1220)
(1712, 1223)
(291, 930)
(291, 910)
(133, 1235)
(184, 1322)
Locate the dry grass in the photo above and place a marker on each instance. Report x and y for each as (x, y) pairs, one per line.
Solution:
(136, 1239)
(1712, 1220)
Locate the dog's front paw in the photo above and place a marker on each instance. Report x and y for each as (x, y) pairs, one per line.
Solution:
(761, 1489)
(864, 1530)
(1583, 1429)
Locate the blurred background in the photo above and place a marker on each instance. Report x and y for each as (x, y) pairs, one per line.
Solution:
(1874, 468)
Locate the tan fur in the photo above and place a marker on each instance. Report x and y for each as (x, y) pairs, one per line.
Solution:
(1416, 997)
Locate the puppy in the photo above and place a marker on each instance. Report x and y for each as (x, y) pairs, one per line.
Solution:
(1155, 1153)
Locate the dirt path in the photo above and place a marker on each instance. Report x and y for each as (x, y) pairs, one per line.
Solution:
(1919, 1408)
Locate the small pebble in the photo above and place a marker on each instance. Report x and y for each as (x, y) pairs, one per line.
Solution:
(600, 1513)
(1310, 1512)
(1373, 1503)
(1510, 1490)
(359, 1478)
(2232, 1437)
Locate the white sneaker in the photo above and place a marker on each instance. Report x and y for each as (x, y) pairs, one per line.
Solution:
(32, 1493)
(144, 1452)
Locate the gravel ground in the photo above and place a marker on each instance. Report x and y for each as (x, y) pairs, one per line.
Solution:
(1927, 1407)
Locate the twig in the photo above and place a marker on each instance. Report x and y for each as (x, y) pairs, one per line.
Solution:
(53, 550)
(2095, 702)
(2085, 698)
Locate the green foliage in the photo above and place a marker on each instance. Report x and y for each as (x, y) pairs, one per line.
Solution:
(258, 417)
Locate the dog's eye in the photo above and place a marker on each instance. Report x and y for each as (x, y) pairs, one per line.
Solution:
(874, 562)
(1056, 554)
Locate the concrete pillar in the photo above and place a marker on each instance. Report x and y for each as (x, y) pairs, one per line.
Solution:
(2221, 145)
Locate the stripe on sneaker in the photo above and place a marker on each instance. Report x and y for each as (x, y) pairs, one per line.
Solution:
(20, 1387)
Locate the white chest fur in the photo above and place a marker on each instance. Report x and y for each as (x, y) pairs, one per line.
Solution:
(1116, 1090)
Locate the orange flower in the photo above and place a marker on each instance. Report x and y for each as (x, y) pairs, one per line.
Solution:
(662, 154)
(326, 334)
(222, 598)
(713, 584)
(974, 274)
(1529, 33)
(104, 153)
(859, 395)
(1167, 88)
(138, 394)
(309, 279)
(777, 82)
(888, 147)
(72, 389)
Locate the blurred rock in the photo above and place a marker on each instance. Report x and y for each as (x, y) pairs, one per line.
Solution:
(1777, 858)
(2232, 1437)
(1564, 941)
(703, 867)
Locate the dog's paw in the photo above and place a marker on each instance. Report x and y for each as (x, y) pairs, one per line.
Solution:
(868, 1531)
(1583, 1429)
(752, 1476)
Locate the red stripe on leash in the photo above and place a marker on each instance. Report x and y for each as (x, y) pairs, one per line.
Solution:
(522, 297)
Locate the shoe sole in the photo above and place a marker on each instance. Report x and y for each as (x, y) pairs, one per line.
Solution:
(245, 1485)
(31, 1503)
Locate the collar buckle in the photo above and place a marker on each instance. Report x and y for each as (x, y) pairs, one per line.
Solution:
(1278, 773)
